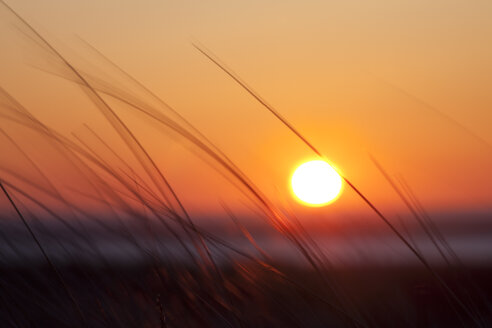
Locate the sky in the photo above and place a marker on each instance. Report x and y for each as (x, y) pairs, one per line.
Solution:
(406, 82)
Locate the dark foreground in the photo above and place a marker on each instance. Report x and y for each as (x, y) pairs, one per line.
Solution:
(243, 295)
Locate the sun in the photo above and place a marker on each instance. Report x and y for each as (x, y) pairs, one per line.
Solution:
(316, 183)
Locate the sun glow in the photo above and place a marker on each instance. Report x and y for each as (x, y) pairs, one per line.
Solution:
(316, 183)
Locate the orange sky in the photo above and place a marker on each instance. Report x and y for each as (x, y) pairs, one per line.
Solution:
(335, 70)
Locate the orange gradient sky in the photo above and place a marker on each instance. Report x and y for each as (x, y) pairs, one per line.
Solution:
(405, 81)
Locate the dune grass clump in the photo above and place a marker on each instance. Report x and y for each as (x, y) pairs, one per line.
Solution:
(199, 278)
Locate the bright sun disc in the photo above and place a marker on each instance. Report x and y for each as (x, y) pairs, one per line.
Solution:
(316, 183)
